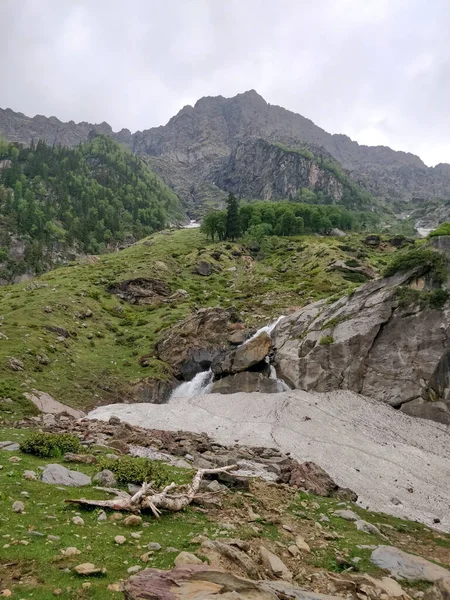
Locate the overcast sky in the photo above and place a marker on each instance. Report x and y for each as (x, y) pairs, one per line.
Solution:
(377, 70)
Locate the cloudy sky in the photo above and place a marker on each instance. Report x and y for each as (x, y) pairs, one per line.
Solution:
(377, 70)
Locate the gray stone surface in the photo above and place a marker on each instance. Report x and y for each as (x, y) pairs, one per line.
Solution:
(380, 348)
(348, 515)
(408, 566)
(11, 446)
(59, 475)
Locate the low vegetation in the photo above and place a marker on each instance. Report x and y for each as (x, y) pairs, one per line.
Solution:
(443, 229)
(50, 444)
(417, 257)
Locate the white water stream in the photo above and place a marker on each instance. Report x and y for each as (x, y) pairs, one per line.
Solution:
(202, 383)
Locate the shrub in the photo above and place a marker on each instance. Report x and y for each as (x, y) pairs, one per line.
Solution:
(326, 340)
(443, 229)
(128, 469)
(404, 261)
(46, 445)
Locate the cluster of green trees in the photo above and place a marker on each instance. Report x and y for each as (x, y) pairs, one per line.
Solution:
(260, 219)
(85, 197)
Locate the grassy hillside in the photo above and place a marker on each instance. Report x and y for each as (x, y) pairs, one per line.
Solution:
(86, 199)
(105, 336)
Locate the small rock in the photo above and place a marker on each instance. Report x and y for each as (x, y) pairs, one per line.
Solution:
(102, 516)
(6, 593)
(348, 515)
(294, 550)
(301, 544)
(18, 507)
(10, 446)
(396, 501)
(368, 528)
(133, 521)
(146, 557)
(59, 475)
(171, 549)
(134, 569)
(115, 587)
(252, 516)
(154, 546)
(53, 538)
(77, 521)
(116, 516)
(89, 569)
(30, 475)
(120, 539)
(15, 459)
(71, 551)
(274, 564)
(105, 478)
(187, 558)
(136, 535)
(113, 420)
(287, 528)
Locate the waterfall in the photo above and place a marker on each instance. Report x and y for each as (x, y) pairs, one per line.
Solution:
(281, 385)
(200, 384)
(267, 328)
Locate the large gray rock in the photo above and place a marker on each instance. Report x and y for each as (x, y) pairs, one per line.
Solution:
(244, 357)
(408, 566)
(246, 381)
(372, 344)
(59, 475)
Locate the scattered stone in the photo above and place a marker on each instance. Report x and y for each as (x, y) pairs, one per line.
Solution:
(15, 459)
(53, 538)
(117, 516)
(87, 569)
(15, 364)
(203, 268)
(439, 591)
(71, 551)
(136, 535)
(252, 516)
(348, 515)
(294, 550)
(58, 475)
(408, 566)
(133, 521)
(18, 507)
(133, 570)
(114, 420)
(187, 558)
(171, 549)
(87, 459)
(120, 539)
(102, 516)
(368, 528)
(154, 546)
(314, 479)
(146, 556)
(301, 544)
(77, 521)
(10, 446)
(115, 587)
(396, 501)
(287, 528)
(274, 564)
(105, 478)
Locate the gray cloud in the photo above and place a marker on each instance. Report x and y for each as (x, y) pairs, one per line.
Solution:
(376, 70)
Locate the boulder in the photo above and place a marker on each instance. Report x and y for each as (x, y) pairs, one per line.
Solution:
(439, 591)
(209, 583)
(274, 565)
(408, 566)
(141, 291)
(373, 344)
(195, 341)
(105, 478)
(10, 446)
(244, 357)
(59, 475)
(204, 268)
(246, 381)
(314, 479)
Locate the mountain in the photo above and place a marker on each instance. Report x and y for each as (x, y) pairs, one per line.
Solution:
(57, 202)
(192, 152)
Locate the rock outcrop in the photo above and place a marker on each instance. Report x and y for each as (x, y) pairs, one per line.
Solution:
(387, 341)
(191, 345)
(246, 381)
(244, 357)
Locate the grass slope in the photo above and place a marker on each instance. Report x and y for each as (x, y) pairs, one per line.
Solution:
(99, 360)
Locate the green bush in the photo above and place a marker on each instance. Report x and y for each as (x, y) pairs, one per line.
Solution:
(326, 340)
(443, 229)
(128, 469)
(433, 299)
(404, 261)
(46, 445)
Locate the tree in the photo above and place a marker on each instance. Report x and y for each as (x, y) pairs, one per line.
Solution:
(233, 228)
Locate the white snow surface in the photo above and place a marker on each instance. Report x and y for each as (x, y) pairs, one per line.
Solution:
(365, 445)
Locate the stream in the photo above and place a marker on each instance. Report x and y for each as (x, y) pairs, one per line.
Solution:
(202, 382)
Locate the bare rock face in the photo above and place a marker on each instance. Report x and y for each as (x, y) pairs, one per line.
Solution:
(312, 478)
(245, 356)
(374, 344)
(246, 381)
(191, 345)
(407, 566)
(141, 290)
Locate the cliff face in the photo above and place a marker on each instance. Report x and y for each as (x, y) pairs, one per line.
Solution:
(197, 148)
(259, 169)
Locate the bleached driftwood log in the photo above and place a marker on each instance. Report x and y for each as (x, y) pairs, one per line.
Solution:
(148, 498)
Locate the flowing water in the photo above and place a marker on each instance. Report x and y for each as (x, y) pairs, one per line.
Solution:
(202, 383)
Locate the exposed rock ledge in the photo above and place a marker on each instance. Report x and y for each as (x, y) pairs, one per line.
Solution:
(364, 445)
(386, 341)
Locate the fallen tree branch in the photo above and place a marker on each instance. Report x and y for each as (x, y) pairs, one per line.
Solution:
(148, 498)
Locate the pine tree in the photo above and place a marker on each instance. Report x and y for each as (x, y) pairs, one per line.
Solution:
(233, 228)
